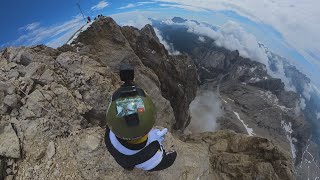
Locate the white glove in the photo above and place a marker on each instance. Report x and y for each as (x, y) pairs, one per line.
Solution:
(157, 135)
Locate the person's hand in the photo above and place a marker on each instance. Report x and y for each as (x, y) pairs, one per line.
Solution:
(157, 134)
(161, 134)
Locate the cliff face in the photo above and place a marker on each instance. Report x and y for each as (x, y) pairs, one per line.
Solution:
(247, 89)
(53, 103)
(177, 74)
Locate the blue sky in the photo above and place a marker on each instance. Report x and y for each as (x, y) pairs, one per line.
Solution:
(53, 22)
(43, 13)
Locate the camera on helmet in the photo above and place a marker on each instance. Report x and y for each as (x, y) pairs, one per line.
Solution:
(126, 73)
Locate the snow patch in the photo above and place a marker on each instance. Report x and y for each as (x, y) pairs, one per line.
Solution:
(85, 27)
(224, 101)
(205, 69)
(231, 99)
(249, 130)
(283, 108)
(255, 79)
(201, 38)
(253, 69)
(289, 131)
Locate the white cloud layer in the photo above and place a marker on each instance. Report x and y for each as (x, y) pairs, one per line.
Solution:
(303, 103)
(191, 8)
(298, 21)
(128, 6)
(57, 34)
(205, 109)
(169, 47)
(30, 27)
(233, 37)
(131, 5)
(101, 5)
(139, 21)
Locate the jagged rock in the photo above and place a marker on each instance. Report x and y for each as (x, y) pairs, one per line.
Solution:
(8, 171)
(66, 96)
(111, 48)
(10, 177)
(11, 100)
(245, 88)
(177, 74)
(47, 77)
(273, 85)
(79, 160)
(91, 142)
(50, 150)
(220, 155)
(235, 156)
(9, 142)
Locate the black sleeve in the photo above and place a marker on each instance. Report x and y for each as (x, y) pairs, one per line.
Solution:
(167, 160)
(129, 161)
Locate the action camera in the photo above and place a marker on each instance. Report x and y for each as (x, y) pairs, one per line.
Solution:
(126, 73)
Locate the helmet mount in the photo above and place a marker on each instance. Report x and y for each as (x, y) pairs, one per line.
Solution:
(126, 73)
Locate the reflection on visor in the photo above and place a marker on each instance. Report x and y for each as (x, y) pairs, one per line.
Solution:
(129, 106)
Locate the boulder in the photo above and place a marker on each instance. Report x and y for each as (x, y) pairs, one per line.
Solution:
(9, 142)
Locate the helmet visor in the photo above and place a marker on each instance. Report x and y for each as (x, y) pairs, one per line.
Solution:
(129, 106)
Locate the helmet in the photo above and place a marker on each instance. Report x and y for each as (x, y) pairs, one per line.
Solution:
(131, 113)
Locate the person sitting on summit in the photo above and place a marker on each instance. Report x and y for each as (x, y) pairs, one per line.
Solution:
(130, 137)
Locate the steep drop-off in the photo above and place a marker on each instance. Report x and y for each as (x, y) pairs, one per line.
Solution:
(53, 103)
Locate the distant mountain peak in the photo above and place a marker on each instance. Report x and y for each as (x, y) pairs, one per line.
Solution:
(179, 20)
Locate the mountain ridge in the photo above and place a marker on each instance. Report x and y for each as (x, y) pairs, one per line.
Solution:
(56, 100)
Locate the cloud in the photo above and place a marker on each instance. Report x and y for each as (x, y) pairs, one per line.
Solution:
(302, 103)
(139, 21)
(128, 6)
(307, 89)
(62, 39)
(100, 5)
(147, 2)
(186, 7)
(318, 115)
(280, 73)
(30, 27)
(233, 37)
(169, 46)
(131, 5)
(296, 20)
(55, 34)
(205, 109)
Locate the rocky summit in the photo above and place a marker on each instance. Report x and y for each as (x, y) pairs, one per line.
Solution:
(53, 104)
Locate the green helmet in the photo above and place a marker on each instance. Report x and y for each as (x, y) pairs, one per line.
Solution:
(131, 113)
